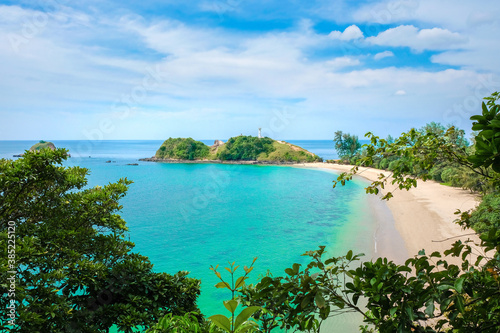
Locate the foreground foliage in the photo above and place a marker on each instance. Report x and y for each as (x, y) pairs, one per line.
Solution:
(427, 293)
(188, 323)
(75, 268)
(235, 323)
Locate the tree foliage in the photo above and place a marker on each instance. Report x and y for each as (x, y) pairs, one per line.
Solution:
(183, 149)
(346, 145)
(75, 271)
(235, 323)
(245, 148)
(487, 141)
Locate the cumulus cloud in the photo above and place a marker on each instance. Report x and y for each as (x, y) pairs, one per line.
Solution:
(224, 74)
(382, 55)
(419, 40)
(350, 33)
(342, 62)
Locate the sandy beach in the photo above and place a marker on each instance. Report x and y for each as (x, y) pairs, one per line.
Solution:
(422, 218)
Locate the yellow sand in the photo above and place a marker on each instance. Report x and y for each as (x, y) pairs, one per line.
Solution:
(423, 216)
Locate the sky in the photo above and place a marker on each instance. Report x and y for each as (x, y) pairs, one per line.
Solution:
(154, 69)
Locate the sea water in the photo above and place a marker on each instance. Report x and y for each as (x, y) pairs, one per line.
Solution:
(191, 216)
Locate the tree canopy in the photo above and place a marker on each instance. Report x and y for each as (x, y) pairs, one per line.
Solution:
(346, 145)
(183, 149)
(245, 148)
(75, 269)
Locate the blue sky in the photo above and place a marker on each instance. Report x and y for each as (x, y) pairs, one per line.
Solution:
(214, 69)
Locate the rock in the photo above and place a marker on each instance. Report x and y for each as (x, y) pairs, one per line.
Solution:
(41, 145)
(108, 161)
(133, 164)
(217, 143)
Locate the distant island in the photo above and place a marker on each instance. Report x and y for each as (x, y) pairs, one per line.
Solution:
(38, 146)
(43, 144)
(240, 149)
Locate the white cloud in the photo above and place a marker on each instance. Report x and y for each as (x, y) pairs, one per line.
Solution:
(400, 93)
(350, 33)
(382, 55)
(342, 62)
(452, 14)
(419, 40)
(238, 76)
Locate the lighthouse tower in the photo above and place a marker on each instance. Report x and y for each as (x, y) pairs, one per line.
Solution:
(260, 134)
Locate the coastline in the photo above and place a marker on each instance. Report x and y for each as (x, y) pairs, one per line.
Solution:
(242, 162)
(422, 218)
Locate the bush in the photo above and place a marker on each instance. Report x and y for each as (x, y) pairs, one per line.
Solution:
(247, 148)
(183, 149)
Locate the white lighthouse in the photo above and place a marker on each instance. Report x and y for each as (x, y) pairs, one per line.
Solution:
(260, 134)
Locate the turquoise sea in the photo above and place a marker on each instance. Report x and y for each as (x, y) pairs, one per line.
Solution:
(191, 216)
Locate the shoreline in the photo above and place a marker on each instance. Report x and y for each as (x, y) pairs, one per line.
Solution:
(238, 162)
(422, 218)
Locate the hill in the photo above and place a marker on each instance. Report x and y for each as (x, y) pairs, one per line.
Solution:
(41, 145)
(236, 149)
(182, 149)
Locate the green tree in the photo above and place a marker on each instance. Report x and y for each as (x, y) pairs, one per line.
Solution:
(487, 141)
(346, 145)
(182, 148)
(245, 148)
(75, 268)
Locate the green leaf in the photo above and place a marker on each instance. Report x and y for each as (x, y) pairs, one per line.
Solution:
(459, 284)
(355, 299)
(249, 325)
(240, 282)
(305, 302)
(231, 305)
(487, 134)
(477, 117)
(222, 322)
(460, 303)
(478, 127)
(485, 109)
(429, 310)
(349, 255)
(244, 315)
(409, 312)
(222, 285)
(320, 301)
(393, 311)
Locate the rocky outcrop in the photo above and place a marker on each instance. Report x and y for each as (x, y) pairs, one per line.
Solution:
(217, 143)
(41, 145)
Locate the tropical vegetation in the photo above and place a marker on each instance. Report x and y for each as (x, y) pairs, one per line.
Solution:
(250, 148)
(347, 145)
(183, 149)
(239, 148)
(76, 271)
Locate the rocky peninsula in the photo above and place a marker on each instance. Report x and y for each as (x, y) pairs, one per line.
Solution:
(237, 150)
